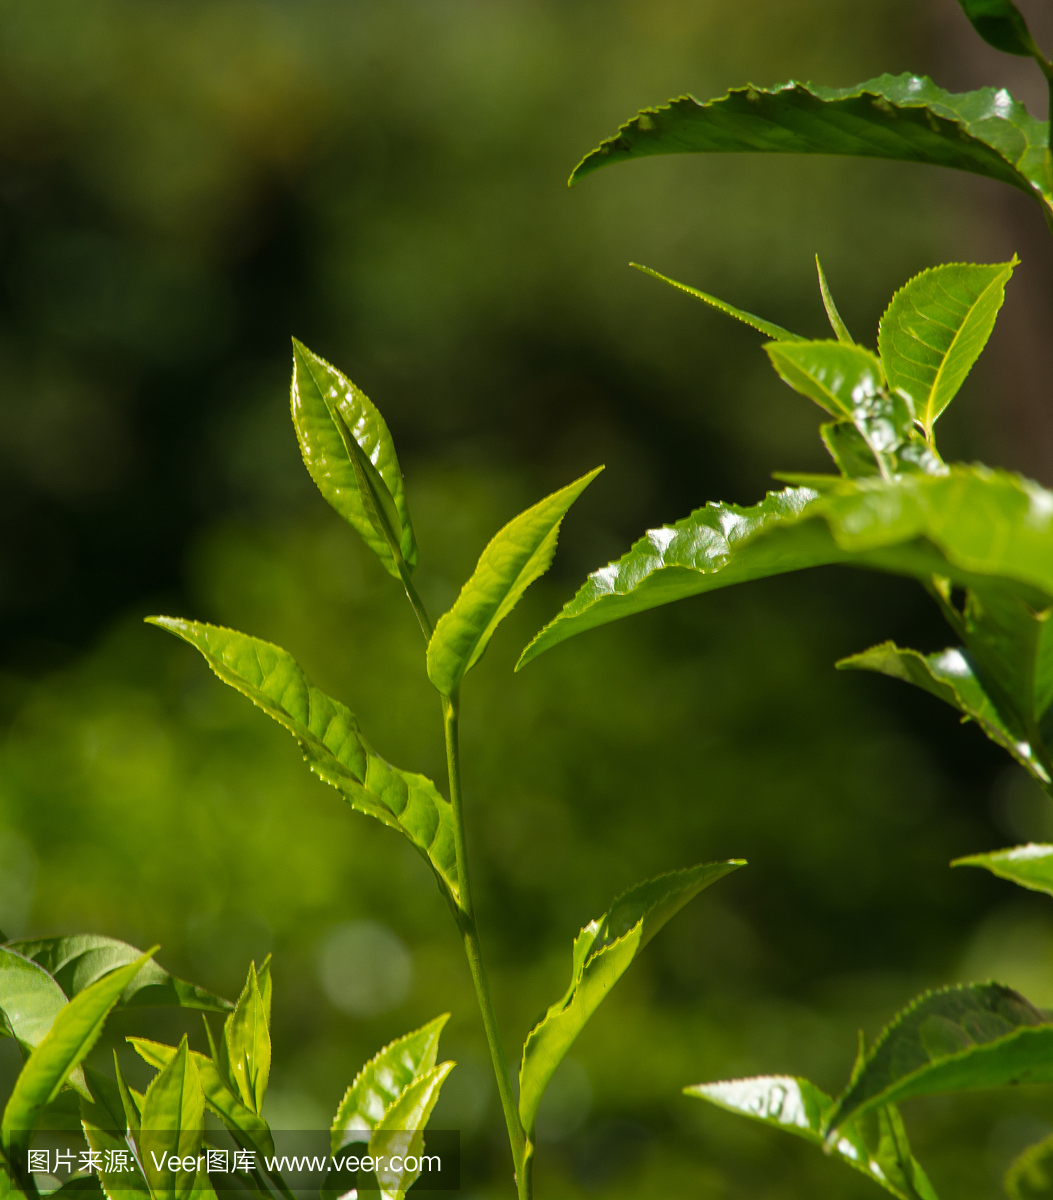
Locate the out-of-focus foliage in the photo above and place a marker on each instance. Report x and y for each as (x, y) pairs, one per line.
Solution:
(183, 187)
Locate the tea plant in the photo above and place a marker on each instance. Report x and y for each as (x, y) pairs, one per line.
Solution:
(978, 539)
(349, 452)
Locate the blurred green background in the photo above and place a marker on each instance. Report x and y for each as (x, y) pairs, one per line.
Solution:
(183, 186)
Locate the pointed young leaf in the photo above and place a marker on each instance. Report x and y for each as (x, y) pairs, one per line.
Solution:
(877, 1146)
(1001, 24)
(326, 405)
(249, 1044)
(971, 525)
(1030, 866)
(602, 953)
(974, 1035)
(383, 1079)
(839, 378)
(836, 324)
(904, 117)
(105, 1128)
(1030, 1176)
(402, 1135)
(516, 556)
(332, 744)
(934, 329)
(74, 1031)
(249, 1130)
(949, 676)
(776, 332)
(78, 960)
(263, 980)
(173, 1125)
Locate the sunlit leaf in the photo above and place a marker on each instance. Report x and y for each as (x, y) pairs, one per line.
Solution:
(332, 744)
(948, 675)
(974, 526)
(382, 1080)
(79, 959)
(337, 424)
(250, 1129)
(249, 1044)
(402, 1134)
(876, 1145)
(516, 556)
(968, 1036)
(904, 117)
(836, 324)
(934, 329)
(105, 1126)
(602, 953)
(1001, 24)
(1030, 866)
(74, 1031)
(1030, 1176)
(30, 1000)
(837, 377)
(773, 331)
(172, 1128)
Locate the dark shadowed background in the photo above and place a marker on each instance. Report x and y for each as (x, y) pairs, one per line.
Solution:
(183, 186)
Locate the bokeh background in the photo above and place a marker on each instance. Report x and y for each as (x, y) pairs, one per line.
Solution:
(183, 186)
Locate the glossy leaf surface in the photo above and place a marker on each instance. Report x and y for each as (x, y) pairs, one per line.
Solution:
(971, 525)
(172, 1124)
(1001, 24)
(383, 1079)
(332, 744)
(948, 675)
(248, 1043)
(837, 377)
(30, 998)
(250, 1129)
(934, 329)
(603, 951)
(1030, 1176)
(74, 1031)
(904, 117)
(876, 1145)
(78, 960)
(402, 1134)
(969, 1036)
(326, 405)
(776, 332)
(1030, 866)
(516, 556)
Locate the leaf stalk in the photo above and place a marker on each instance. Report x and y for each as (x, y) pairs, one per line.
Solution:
(473, 951)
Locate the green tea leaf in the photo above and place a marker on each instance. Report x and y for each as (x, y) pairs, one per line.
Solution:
(1030, 1177)
(837, 377)
(402, 1135)
(876, 1145)
(30, 1000)
(338, 427)
(81, 1185)
(773, 331)
(105, 1128)
(974, 526)
(1030, 866)
(383, 1079)
(249, 1044)
(949, 676)
(969, 1036)
(904, 117)
(332, 744)
(249, 1129)
(836, 324)
(516, 556)
(934, 329)
(1001, 24)
(74, 1031)
(602, 953)
(172, 1129)
(78, 960)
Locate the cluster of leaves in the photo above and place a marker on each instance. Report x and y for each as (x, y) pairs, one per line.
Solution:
(979, 540)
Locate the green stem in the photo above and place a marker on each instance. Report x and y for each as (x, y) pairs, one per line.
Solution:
(414, 599)
(473, 950)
